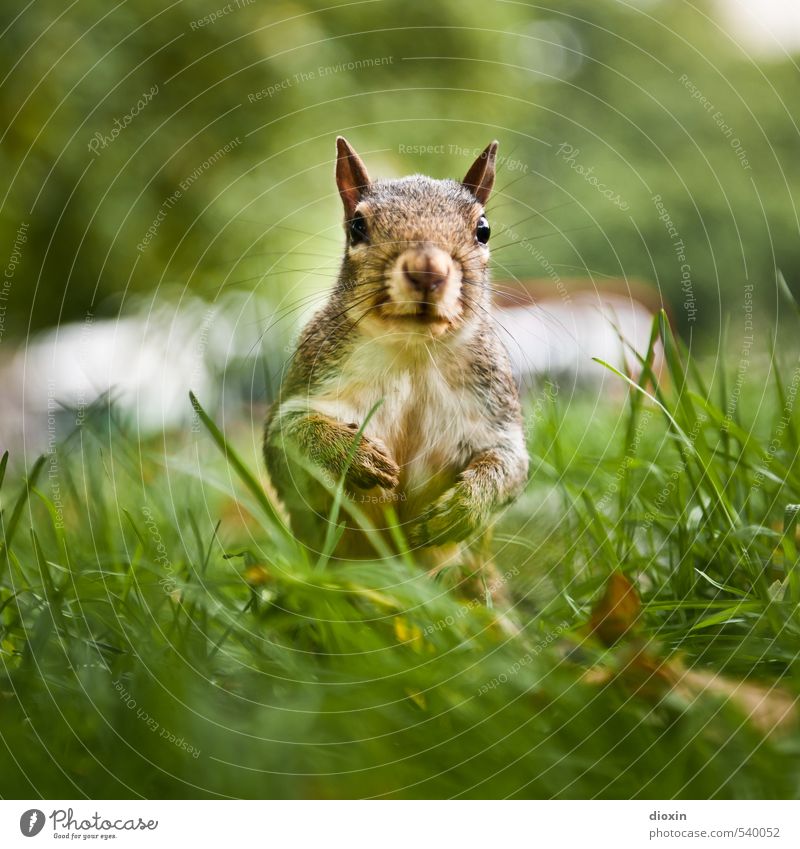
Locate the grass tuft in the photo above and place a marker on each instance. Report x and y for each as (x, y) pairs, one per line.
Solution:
(162, 635)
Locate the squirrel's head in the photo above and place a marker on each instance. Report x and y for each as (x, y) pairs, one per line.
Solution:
(417, 253)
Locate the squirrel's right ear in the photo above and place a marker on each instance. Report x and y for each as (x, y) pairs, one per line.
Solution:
(351, 176)
(480, 177)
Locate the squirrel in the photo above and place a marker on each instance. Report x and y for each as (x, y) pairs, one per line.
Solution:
(407, 327)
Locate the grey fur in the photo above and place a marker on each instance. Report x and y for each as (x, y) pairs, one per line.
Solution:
(485, 469)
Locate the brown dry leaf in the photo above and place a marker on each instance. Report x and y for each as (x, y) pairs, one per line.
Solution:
(651, 677)
(646, 675)
(770, 709)
(640, 670)
(616, 613)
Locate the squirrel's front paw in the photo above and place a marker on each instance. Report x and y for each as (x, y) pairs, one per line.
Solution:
(372, 466)
(451, 518)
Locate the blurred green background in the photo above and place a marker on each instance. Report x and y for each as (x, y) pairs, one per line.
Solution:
(160, 158)
(212, 127)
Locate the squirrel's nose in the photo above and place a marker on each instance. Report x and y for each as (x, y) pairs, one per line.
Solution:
(426, 271)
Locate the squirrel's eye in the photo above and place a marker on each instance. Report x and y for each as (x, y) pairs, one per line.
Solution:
(483, 230)
(358, 229)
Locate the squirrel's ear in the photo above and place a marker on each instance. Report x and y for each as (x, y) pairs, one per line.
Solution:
(480, 177)
(351, 176)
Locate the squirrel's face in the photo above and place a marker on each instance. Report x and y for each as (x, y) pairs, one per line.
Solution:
(417, 248)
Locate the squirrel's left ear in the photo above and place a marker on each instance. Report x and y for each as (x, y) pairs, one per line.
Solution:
(351, 176)
(480, 177)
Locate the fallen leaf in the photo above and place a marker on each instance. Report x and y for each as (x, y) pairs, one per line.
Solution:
(616, 613)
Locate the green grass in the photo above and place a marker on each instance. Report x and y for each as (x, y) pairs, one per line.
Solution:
(161, 635)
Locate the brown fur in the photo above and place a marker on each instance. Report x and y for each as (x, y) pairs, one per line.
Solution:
(408, 323)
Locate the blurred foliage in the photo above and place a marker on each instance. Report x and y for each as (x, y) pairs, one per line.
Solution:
(603, 77)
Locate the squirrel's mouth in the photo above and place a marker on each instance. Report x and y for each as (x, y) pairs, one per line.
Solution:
(421, 315)
(424, 313)
(411, 310)
(422, 320)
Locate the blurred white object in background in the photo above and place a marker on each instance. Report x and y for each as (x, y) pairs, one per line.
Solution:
(228, 355)
(558, 331)
(146, 362)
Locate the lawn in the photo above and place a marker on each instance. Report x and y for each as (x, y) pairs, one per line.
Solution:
(162, 635)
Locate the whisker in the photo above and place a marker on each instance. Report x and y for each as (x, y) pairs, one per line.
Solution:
(539, 213)
(544, 236)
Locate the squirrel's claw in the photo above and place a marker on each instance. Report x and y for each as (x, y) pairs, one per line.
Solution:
(451, 518)
(372, 467)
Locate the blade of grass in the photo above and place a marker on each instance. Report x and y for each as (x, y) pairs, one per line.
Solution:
(16, 514)
(243, 472)
(3, 465)
(334, 531)
(730, 513)
(727, 614)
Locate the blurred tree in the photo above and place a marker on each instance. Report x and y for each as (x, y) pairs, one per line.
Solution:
(190, 145)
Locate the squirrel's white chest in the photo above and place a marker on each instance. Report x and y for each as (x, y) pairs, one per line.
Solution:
(430, 422)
